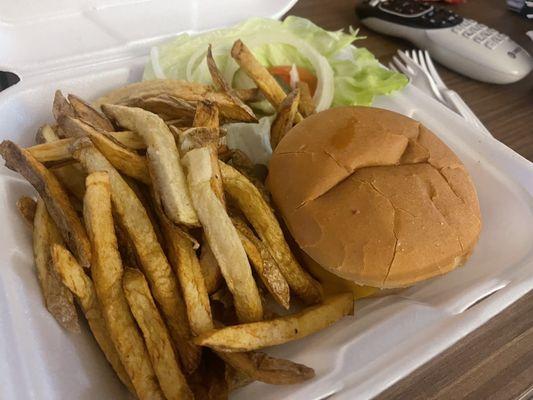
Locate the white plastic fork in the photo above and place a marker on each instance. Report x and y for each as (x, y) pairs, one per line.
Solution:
(450, 97)
(416, 74)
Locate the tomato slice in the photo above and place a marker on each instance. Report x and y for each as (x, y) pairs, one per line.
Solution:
(284, 71)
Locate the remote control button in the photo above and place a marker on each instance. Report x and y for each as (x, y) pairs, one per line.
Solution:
(478, 39)
(490, 44)
(469, 32)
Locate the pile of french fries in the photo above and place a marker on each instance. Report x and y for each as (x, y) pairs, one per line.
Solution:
(166, 239)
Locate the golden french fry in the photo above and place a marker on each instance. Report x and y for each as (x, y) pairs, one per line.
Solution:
(285, 118)
(27, 207)
(107, 274)
(183, 259)
(58, 299)
(264, 264)
(261, 367)
(210, 269)
(207, 116)
(61, 107)
(126, 161)
(306, 106)
(195, 137)
(260, 215)
(222, 236)
(133, 217)
(57, 151)
(189, 91)
(156, 336)
(236, 379)
(220, 82)
(89, 114)
(163, 158)
(70, 176)
(256, 335)
(266, 83)
(165, 106)
(45, 134)
(75, 279)
(54, 196)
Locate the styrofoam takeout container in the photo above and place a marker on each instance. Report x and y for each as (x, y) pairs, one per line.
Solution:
(358, 357)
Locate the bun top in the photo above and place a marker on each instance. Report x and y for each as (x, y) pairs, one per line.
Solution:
(374, 196)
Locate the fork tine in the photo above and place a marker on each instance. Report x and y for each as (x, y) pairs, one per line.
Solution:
(407, 60)
(399, 65)
(433, 70)
(414, 57)
(423, 62)
(392, 67)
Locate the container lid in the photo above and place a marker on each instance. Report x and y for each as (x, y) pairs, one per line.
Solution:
(40, 36)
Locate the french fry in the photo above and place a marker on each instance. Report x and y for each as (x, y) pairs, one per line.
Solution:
(189, 91)
(183, 259)
(264, 264)
(195, 137)
(45, 134)
(257, 335)
(133, 217)
(70, 176)
(220, 82)
(54, 196)
(306, 106)
(164, 161)
(156, 336)
(56, 151)
(249, 95)
(107, 272)
(285, 117)
(61, 107)
(89, 114)
(260, 215)
(207, 116)
(165, 106)
(236, 379)
(126, 161)
(125, 247)
(57, 298)
(261, 367)
(75, 279)
(27, 208)
(266, 83)
(222, 236)
(210, 269)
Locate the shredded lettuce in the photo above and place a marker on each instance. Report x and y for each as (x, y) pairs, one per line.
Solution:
(346, 75)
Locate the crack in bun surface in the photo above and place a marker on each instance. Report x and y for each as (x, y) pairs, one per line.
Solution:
(374, 197)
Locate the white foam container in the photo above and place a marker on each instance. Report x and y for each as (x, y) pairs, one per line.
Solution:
(358, 357)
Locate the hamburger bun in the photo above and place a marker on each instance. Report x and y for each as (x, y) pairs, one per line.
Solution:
(374, 197)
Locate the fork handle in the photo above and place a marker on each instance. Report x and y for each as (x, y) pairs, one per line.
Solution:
(456, 102)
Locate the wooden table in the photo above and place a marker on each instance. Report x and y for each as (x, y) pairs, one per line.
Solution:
(495, 361)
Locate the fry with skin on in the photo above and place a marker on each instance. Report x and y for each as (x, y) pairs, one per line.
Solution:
(220, 82)
(75, 279)
(126, 161)
(61, 107)
(210, 269)
(306, 106)
(266, 83)
(27, 208)
(54, 196)
(261, 217)
(107, 272)
(207, 116)
(57, 298)
(256, 335)
(133, 217)
(163, 159)
(183, 259)
(71, 176)
(191, 92)
(156, 336)
(89, 114)
(165, 106)
(261, 367)
(285, 117)
(222, 236)
(264, 264)
(45, 134)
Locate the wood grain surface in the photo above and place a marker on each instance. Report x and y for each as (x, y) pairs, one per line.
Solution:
(496, 361)
(506, 110)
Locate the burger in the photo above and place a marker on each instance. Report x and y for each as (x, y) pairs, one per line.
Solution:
(373, 198)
